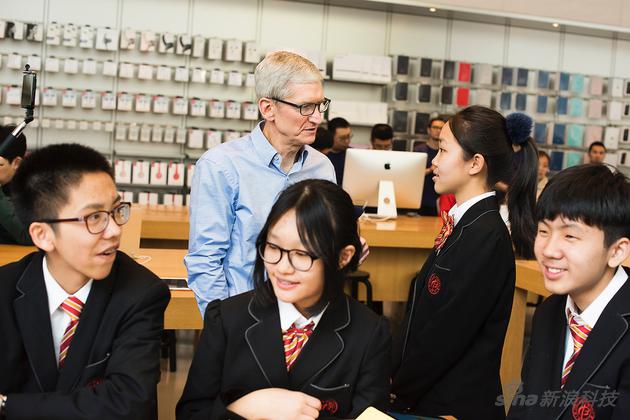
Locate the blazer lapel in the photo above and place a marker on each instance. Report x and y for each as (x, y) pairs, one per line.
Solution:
(611, 326)
(324, 345)
(33, 318)
(264, 339)
(477, 210)
(86, 333)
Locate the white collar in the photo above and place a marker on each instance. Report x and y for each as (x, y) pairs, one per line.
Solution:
(458, 210)
(591, 314)
(56, 294)
(290, 315)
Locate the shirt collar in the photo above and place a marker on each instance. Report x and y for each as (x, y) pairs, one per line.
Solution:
(56, 294)
(458, 211)
(290, 315)
(592, 313)
(266, 151)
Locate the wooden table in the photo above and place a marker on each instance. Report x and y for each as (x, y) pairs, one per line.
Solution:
(182, 311)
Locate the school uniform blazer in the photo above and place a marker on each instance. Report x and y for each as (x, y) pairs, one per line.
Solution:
(113, 363)
(345, 362)
(450, 351)
(601, 371)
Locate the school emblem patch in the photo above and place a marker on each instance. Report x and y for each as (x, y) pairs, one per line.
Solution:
(330, 405)
(434, 285)
(583, 409)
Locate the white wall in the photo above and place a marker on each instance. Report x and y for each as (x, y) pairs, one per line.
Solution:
(277, 23)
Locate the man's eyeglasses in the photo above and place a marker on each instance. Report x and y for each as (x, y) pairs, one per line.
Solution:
(346, 138)
(272, 254)
(307, 109)
(97, 222)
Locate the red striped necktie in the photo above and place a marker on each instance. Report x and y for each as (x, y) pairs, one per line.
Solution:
(448, 224)
(294, 339)
(579, 333)
(73, 307)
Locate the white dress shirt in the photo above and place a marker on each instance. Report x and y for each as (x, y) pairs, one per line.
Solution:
(458, 210)
(290, 315)
(59, 319)
(591, 314)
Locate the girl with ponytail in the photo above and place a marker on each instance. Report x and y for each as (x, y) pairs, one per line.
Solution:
(449, 353)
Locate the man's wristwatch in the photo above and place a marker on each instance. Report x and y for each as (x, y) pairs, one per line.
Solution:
(3, 404)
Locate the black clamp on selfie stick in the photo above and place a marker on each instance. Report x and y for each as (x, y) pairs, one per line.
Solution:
(29, 89)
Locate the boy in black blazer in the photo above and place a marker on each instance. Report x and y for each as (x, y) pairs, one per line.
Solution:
(578, 363)
(80, 322)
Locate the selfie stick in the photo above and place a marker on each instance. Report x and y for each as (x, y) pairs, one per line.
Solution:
(29, 88)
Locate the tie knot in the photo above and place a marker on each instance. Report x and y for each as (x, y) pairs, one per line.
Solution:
(579, 331)
(73, 307)
(307, 329)
(447, 219)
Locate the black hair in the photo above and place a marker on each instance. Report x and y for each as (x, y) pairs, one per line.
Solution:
(42, 184)
(542, 153)
(323, 139)
(596, 143)
(591, 194)
(17, 149)
(381, 132)
(482, 130)
(326, 223)
(442, 118)
(336, 123)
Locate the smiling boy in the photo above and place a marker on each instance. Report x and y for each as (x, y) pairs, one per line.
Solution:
(80, 322)
(578, 364)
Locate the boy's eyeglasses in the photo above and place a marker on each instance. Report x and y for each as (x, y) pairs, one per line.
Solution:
(307, 109)
(97, 222)
(272, 254)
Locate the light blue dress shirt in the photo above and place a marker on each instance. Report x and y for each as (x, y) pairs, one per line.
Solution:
(234, 187)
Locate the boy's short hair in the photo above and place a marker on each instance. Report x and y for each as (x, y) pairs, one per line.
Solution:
(595, 144)
(17, 149)
(591, 194)
(382, 132)
(41, 185)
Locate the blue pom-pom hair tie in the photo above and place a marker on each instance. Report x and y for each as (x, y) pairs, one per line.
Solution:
(519, 127)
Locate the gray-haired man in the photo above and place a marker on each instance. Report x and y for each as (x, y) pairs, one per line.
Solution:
(235, 184)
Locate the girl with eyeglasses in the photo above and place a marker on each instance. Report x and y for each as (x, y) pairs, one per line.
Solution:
(296, 346)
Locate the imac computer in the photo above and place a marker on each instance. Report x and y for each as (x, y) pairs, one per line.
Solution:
(385, 179)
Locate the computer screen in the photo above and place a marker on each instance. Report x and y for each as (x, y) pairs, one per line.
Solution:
(364, 169)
